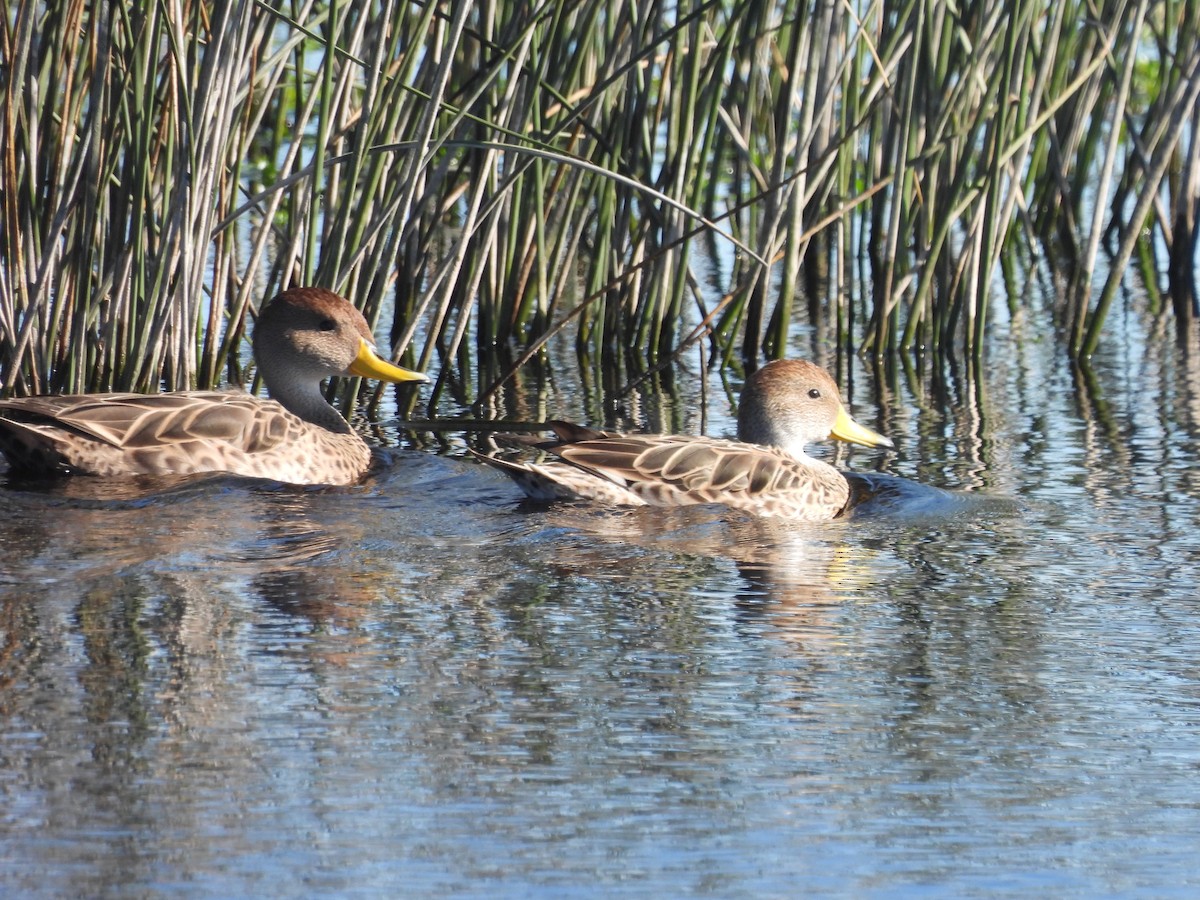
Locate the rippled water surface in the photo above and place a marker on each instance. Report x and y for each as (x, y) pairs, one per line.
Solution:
(421, 687)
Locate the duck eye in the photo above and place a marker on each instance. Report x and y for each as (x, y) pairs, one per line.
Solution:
(327, 325)
(814, 394)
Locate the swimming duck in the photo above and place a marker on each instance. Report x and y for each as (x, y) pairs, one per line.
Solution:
(303, 336)
(784, 406)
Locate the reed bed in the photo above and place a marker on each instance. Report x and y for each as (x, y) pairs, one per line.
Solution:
(486, 178)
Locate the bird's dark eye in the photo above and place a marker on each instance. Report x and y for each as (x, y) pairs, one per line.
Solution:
(327, 325)
(814, 393)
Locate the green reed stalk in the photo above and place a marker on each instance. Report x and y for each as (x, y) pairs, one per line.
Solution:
(493, 176)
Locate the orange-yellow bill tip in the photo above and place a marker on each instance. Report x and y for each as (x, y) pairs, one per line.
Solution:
(368, 364)
(846, 429)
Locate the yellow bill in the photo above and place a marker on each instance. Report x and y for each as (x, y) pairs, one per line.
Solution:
(368, 364)
(846, 429)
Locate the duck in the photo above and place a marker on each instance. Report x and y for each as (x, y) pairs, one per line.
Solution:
(303, 336)
(785, 405)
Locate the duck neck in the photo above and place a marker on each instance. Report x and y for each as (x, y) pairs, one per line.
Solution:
(766, 435)
(795, 449)
(753, 431)
(304, 399)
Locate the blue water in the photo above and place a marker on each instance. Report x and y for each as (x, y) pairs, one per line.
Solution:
(423, 687)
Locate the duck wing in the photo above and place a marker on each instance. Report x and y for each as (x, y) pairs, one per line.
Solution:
(131, 434)
(668, 470)
(680, 471)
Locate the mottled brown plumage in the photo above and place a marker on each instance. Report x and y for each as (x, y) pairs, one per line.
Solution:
(303, 336)
(784, 406)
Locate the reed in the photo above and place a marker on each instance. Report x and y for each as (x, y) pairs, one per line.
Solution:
(486, 178)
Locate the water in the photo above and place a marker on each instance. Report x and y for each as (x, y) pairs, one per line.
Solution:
(421, 687)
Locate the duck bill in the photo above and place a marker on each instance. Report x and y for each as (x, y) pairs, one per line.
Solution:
(368, 365)
(846, 429)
